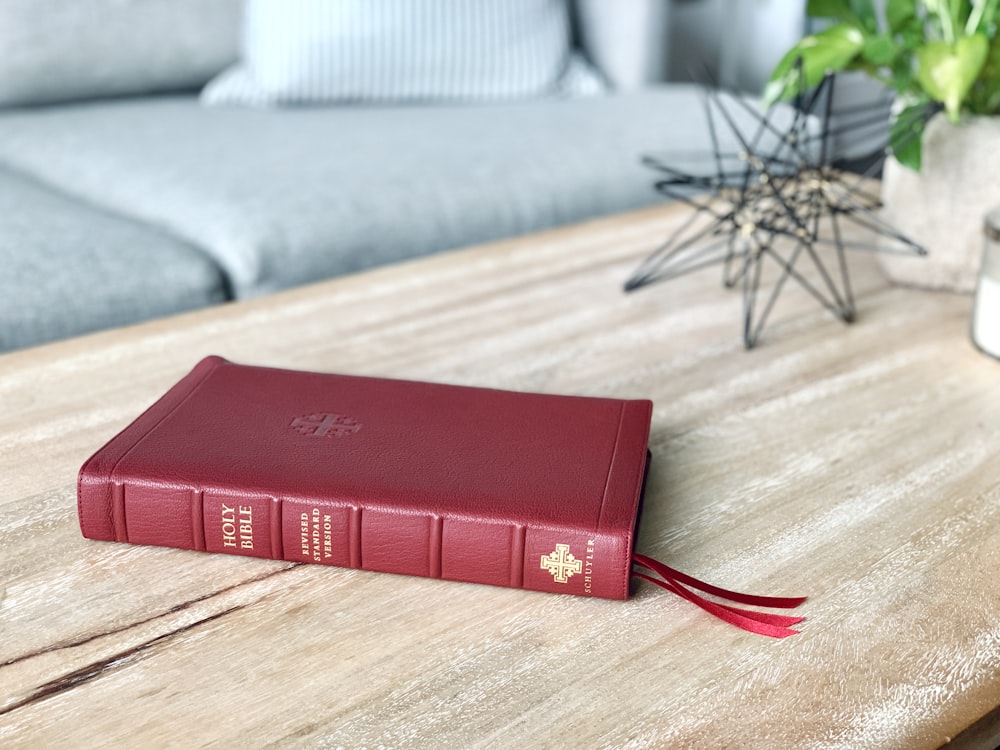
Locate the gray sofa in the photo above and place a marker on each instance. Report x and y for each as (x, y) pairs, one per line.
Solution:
(116, 209)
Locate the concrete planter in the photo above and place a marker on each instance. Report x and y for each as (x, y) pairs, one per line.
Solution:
(943, 206)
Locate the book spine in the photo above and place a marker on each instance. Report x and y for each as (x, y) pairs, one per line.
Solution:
(100, 509)
(556, 560)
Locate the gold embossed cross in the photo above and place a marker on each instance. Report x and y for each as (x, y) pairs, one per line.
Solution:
(561, 563)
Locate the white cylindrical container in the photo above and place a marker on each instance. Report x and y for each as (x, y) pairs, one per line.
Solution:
(986, 312)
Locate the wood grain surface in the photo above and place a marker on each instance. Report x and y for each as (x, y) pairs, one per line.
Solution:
(859, 465)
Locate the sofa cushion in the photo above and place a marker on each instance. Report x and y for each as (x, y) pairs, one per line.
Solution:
(314, 51)
(282, 197)
(59, 50)
(69, 269)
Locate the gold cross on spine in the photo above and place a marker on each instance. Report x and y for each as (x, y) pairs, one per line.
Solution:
(561, 563)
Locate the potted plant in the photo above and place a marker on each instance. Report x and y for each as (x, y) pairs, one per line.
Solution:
(942, 58)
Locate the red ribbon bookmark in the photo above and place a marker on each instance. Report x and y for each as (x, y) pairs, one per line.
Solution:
(762, 623)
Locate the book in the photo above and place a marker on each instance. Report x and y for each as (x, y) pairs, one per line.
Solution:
(524, 490)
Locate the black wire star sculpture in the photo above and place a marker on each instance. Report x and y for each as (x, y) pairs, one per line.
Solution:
(776, 199)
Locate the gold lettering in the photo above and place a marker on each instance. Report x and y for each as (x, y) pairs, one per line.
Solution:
(304, 533)
(327, 537)
(315, 535)
(588, 569)
(228, 526)
(246, 526)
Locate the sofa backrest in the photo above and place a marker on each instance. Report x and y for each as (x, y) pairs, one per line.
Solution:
(62, 50)
(627, 40)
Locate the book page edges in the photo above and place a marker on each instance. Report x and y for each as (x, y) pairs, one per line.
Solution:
(620, 507)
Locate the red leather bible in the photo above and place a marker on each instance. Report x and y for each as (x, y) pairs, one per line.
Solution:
(470, 484)
(513, 489)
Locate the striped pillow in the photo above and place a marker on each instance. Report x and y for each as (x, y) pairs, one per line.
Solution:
(316, 51)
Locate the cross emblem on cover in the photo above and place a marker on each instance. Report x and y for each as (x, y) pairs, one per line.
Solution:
(325, 425)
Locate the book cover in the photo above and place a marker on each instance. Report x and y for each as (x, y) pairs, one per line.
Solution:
(470, 484)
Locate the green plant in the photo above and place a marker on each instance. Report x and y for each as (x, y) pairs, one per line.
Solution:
(934, 53)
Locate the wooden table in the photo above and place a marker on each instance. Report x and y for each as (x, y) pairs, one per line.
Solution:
(856, 464)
